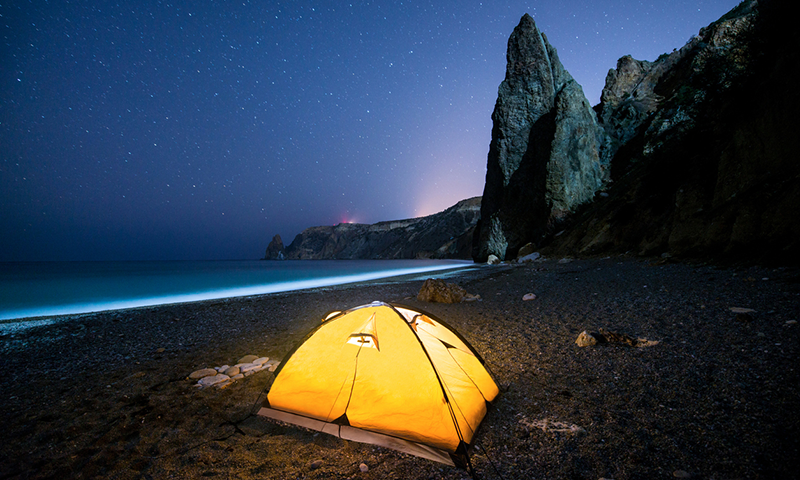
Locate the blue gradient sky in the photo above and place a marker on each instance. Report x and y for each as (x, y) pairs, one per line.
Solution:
(197, 130)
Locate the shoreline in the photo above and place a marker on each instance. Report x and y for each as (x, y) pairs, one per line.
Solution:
(7, 324)
(106, 395)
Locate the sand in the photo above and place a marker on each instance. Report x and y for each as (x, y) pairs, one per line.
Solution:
(106, 395)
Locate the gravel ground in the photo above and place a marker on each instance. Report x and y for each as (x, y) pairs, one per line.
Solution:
(106, 395)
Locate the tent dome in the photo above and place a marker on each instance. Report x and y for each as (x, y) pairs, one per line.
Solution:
(389, 375)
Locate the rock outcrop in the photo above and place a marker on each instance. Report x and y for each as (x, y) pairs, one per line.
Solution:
(543, 159)
(275, 249)
(447, 234)
(436, 290)
(700, 145)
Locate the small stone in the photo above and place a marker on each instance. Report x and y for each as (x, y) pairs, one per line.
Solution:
(529, 296)
(213, 380)
(681, 474)
(205, 372)
(586, 339)
(492, 260)
(232, 371)
(223, 368)
(261, 361)
(790, 322)
(161, 350)
(274, 366)
(248, 366)
(742, 310)
(237, 377)
(247, 359)
(363, 467)
(529, 258)
(315, 464)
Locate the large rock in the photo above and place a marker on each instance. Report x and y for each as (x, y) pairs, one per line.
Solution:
(275, 249)
(447, 234)
(437, 290)
(543, 159)
(699, 141)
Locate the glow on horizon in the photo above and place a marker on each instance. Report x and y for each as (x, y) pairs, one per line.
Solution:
(7, 317)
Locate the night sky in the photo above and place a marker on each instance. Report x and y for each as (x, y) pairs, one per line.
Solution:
(150, 130)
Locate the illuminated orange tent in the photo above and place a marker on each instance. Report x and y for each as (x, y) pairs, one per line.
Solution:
(388, 375)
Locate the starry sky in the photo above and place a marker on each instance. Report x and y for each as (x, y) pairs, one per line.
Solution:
(197, 130)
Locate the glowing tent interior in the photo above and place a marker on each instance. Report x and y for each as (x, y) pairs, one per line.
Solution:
(387, 375)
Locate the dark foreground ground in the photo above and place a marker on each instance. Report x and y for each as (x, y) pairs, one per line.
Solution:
(106, 395)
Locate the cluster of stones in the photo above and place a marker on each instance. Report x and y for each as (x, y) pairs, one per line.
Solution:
(224, 375)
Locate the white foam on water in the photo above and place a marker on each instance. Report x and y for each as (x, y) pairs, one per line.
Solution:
(12, 320)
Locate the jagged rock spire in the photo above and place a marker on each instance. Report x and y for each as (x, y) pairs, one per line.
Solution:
(543, 158)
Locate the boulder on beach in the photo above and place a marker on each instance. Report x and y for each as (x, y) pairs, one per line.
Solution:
(437, 291)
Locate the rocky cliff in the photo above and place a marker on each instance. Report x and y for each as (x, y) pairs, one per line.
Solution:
(701, 147)
(447, 234)
(275, 249)
(544, 155)
(697, 144)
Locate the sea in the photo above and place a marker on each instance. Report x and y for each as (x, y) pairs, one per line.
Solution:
(37, 293)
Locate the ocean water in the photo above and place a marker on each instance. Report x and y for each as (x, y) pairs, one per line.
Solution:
(29, 291)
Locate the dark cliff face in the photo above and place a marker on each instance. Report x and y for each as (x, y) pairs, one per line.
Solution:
(701, 147)
(543, 158)
(447, 234)
(690, 154)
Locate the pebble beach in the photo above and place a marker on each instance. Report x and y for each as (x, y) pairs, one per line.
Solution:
(708, 387)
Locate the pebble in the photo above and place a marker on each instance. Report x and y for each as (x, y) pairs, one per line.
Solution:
(315, 464)
(213, 380)
(205, 372)
(529, 258)
(248, 366)
(742, 310)
(232, 371)
(681, 474)
(247, 359)
(791, 322)
(363, 467)
(261, 361)
(586, 339)
(529, 296)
